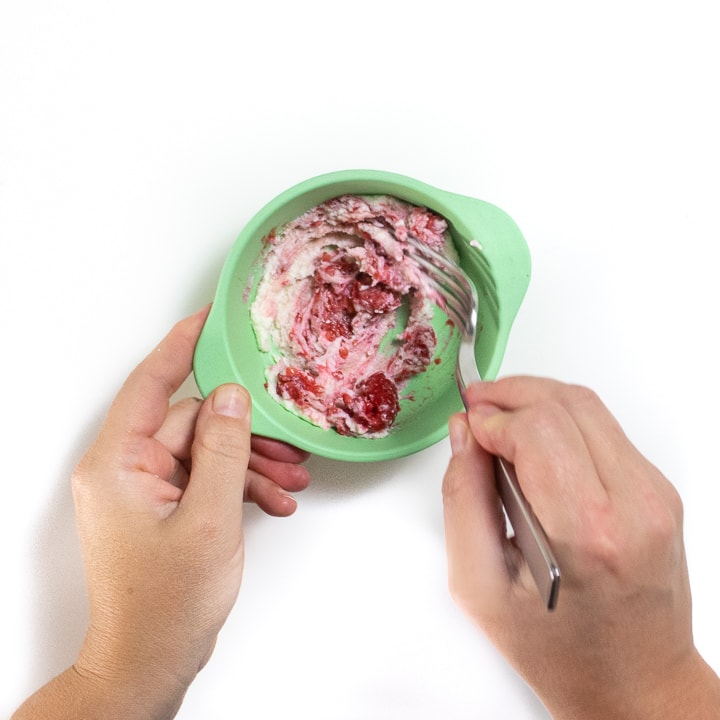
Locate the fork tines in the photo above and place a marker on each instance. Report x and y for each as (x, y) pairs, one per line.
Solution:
(453, 287)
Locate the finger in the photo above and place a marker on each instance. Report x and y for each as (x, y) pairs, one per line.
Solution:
(611, 451)
(268, 496)
(278, 450)
(553, 465)
(511, 393)
(142, 403)
(269, 477)
(581, 403)
(220, 455)
(474, 524)
(178, 429)
(288, 476)
(593, 492)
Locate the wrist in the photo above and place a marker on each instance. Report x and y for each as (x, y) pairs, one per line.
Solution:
(691, 691)
(693, 694)
(124, 696)
(77, 694)
(128, 682)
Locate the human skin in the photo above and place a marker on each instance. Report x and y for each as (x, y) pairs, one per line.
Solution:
(619, 645)
(159, 507)
(159, 503)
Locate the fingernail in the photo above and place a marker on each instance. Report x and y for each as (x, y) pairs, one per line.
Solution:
(231, 401)
(483, 412)
(287, 496)
(458, 431)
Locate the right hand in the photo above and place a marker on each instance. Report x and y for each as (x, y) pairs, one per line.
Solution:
(619, 644)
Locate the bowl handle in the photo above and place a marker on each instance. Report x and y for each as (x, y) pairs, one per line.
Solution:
(494, 241)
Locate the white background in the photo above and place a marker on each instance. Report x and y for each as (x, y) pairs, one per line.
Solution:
(136, 140)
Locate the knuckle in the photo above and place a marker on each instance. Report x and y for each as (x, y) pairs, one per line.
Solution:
(222, 439)
(663, 519)
(547, 419)
(79, 479)
(608, 544)
(457, 591)
(132, 449)
(579, 400)
(461, 594)
(188, 403)
(600, 543)
(675, 503)
(603, 550)
(207, 531)
(457, 486)
(581, 396)
(450, 484)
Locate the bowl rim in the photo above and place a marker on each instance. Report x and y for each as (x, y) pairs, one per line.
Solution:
(503, 250)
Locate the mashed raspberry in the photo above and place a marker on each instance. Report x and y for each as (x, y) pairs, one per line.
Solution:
(345, 311)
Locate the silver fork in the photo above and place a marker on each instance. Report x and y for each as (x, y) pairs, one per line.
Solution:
(459, 301)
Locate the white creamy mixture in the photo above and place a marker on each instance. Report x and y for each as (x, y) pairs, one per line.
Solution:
(335, 282)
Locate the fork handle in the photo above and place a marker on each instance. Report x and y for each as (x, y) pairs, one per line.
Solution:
(529, 534)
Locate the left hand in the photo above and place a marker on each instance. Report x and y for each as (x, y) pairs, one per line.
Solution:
(274, 469)
(159, 501)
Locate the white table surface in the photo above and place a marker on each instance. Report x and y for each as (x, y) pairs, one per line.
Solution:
(136, 140)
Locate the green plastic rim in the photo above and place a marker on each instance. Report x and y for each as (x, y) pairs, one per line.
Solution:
(498, 261)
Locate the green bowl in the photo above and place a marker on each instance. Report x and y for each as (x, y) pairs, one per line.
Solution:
(498, 261)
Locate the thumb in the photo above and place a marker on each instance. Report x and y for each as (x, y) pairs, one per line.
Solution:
(220, 454)
(475, 535)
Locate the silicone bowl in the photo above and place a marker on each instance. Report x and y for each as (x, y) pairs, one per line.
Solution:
(498, 261)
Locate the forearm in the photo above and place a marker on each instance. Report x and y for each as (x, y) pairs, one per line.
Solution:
(73, 695)
(693, 693)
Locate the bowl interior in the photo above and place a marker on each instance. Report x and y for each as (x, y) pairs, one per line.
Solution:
(228, 352)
